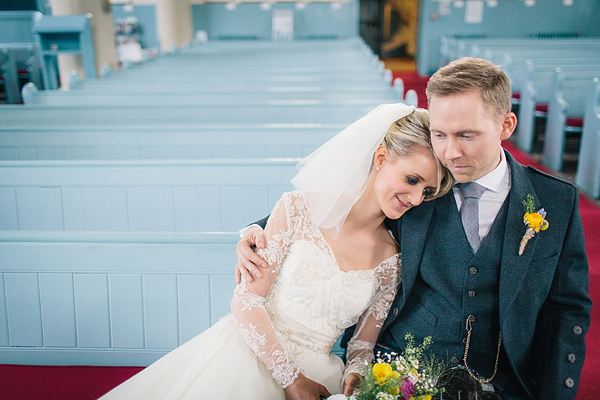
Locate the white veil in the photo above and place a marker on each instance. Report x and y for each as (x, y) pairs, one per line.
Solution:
(334, 176)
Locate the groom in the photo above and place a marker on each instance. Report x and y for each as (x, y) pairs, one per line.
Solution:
(517, 321)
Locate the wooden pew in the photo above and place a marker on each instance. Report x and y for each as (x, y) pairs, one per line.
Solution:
(241, 141)
(538, 91)
(110, 298)
(588, 167)
(32, 96)
(143, 195)
(120, 117)
(568, 100)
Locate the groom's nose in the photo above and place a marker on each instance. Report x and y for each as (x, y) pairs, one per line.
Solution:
(452, 149)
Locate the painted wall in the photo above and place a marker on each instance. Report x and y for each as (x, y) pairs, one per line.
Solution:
(146, 15)
(508, 18)
(248, 19)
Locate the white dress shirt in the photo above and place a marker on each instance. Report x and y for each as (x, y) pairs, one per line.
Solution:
(497, 184)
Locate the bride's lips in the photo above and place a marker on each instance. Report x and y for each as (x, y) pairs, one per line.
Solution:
(402, 204)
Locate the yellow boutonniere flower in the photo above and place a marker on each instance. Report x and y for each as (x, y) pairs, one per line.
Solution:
(535, 221)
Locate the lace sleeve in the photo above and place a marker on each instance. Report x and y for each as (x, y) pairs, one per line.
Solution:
(360, 348)
(248, 303)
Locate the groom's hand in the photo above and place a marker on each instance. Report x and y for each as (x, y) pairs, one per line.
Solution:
(350, 383)
(305, 389)
(249, 263)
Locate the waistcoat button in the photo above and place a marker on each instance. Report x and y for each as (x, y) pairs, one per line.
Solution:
(395, 311)
(571, 358)
(471, 293)
(473, 270)
(577, 330)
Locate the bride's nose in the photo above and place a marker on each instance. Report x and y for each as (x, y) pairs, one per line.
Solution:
(416, 196)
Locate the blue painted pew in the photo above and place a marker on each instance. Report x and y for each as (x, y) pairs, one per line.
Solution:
(162, 116)
(588, 168)
(150, 195)
(242, 141)
(107, 87)
(109, 298)
(32, 96)
(538, 89)
(568, 100)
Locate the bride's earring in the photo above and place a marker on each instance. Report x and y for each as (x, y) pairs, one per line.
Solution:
(377, 168)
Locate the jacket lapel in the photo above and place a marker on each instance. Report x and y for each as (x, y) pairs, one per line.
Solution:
(514, 266)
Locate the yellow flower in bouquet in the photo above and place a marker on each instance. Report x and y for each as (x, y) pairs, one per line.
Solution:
(408, 376)
(382, 372)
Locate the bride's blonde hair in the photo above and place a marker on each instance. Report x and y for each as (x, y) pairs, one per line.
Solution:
(409, 133)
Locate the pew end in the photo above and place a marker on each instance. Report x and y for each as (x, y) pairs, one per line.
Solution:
(588, 168)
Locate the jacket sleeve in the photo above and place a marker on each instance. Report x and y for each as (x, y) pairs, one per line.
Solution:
(564, 319)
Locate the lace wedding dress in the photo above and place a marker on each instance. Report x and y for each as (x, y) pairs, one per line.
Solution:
(281, 325)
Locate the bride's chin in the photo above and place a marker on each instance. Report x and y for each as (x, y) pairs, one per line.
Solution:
(394, 214)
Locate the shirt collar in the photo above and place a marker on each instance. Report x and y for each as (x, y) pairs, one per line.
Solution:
(493, 180)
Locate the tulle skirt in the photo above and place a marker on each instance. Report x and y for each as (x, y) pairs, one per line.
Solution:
(218, 364)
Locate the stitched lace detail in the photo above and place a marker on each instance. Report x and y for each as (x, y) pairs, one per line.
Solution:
(360, 348)
(358, 363)
(249, 311)
(305, 301)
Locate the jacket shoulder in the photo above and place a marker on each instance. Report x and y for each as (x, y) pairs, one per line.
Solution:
(541, 178)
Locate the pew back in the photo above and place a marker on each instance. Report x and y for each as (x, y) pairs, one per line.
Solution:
(169, 143)
(161, 195)
(190, 116)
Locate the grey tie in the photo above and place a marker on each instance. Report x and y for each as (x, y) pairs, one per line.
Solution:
(469, 212)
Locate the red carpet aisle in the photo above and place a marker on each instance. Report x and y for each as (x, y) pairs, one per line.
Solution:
(415, 82)
(23, 382)
(82, 383)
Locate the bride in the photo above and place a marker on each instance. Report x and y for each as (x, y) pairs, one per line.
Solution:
(331, 264)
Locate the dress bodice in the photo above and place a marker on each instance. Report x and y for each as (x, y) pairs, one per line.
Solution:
(305, 301)
(312, 300)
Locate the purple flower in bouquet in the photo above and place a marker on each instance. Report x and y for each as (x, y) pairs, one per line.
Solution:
(407, 389)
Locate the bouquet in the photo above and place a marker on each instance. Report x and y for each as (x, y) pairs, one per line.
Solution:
(406, 376)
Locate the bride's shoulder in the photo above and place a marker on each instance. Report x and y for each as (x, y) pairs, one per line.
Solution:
(295, 201)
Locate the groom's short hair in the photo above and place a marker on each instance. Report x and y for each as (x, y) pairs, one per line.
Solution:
(468, 74)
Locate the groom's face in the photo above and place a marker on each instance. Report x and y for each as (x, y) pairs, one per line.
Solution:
(465, 135)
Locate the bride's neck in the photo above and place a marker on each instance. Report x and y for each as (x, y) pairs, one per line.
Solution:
(365, 215)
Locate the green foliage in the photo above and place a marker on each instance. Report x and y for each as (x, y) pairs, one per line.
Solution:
(528, 204)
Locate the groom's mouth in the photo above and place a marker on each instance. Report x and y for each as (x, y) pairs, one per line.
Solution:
(402, 204)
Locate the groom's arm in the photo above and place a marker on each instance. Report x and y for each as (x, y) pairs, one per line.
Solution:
(559, 342)
(249, 263)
